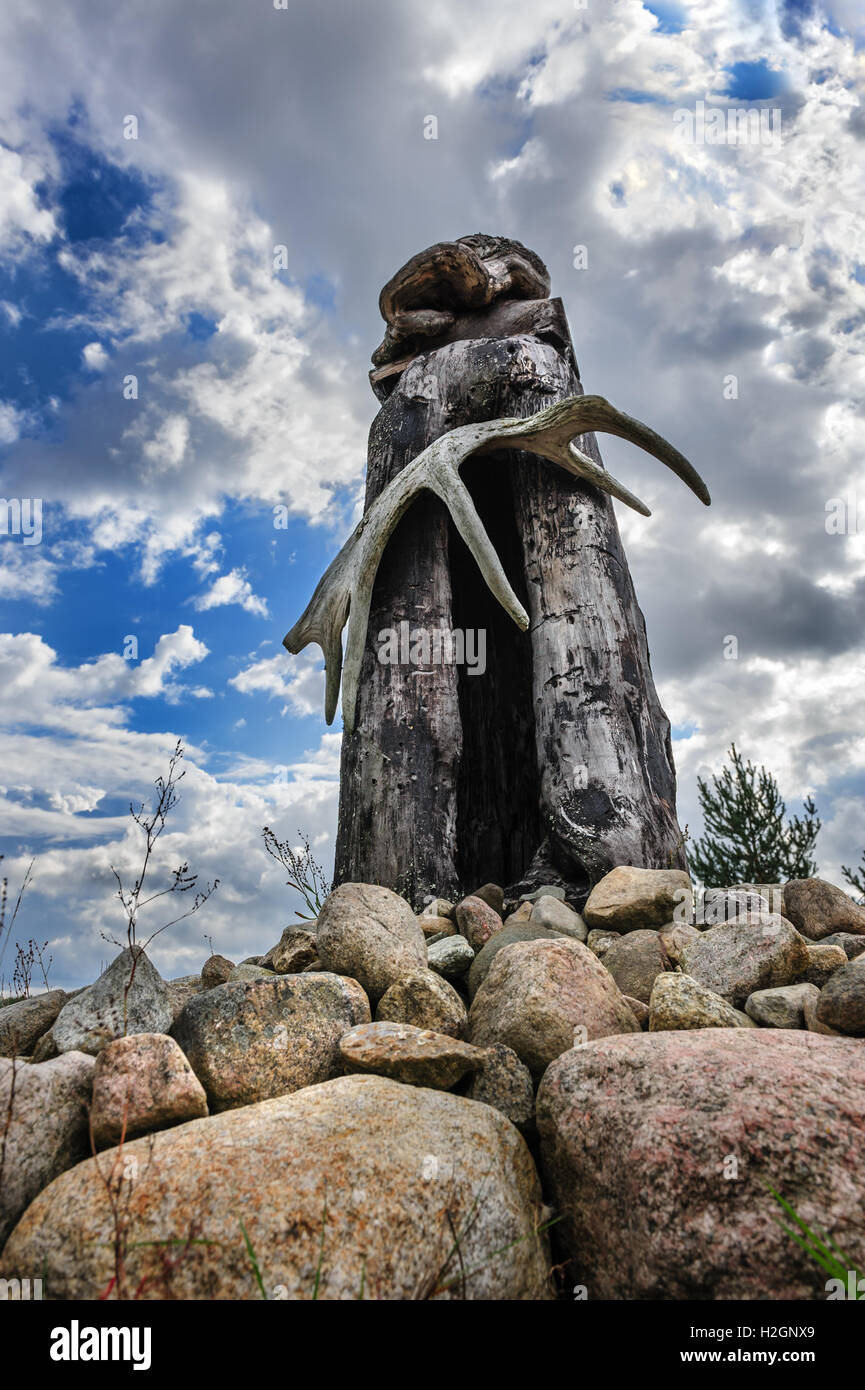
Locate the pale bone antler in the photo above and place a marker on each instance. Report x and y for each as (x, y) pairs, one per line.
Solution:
(344, 593)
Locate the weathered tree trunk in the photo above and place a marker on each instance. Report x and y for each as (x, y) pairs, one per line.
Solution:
(555, 764)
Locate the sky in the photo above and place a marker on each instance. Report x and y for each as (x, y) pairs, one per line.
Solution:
(194, 420)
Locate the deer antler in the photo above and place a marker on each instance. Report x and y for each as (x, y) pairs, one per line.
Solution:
(344, 593)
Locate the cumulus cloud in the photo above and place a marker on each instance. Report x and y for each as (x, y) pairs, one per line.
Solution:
(12, 422)
(23, 220)
(232, 588)
(71, 763)
(38, 691)
(296, 681)
(216, 828)
(151, 469)
(95, 357)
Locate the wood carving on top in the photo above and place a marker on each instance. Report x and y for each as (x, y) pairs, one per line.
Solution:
(469, 325)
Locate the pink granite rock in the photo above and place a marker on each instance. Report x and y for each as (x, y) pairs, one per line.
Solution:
(660, 1150)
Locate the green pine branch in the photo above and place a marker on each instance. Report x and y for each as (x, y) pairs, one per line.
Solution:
(748, 836)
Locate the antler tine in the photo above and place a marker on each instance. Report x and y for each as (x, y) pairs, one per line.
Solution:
(345, 590)
(323, 621)
(344, 593)
(578, 415)
(611, 421)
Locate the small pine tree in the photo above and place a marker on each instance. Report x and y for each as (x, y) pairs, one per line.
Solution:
(747, 837)
(856, 877)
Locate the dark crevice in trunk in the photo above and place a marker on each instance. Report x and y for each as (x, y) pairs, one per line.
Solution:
(498, 789)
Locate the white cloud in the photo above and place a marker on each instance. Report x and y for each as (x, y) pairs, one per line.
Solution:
(22, 220)
(531, 162)
(71, 764)
(776, 713)
(298, 681)
(232, 588)
(216, 828)
(36, 690)
(95, 357)
(26, 573)
(12, 422)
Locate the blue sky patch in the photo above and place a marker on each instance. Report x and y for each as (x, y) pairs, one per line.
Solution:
(754, 82)
(199, 328)
(671, 18)
(96, 198)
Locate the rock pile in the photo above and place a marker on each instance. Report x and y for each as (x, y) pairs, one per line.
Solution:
(400, 1102)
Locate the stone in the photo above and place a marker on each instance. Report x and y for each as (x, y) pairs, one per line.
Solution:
(492, 895)
(555, 915)
(635, 961)
(440, 936)
(813, 1024)
(680, 1003)
(599, 941)
(546, 890)
(720, 905)
(543, 997)
(674, 937)
(252, 960)
(773, 893)
(627, 898)
(113, 1008)
(783, 1007)
(216, 970)
(23, 1023)
(140, 1084)
(477, 922)
(744, 956)
(344, 1190)
(180, 991)
(371, 934)
(414, 1056)
(823, 961)
(842, 1001)
(46, 1048)
(851, 944)
(508, 936)
(439, 907)
(435, 928)
(637, 1137)
(743, 1020)
(818, 909)
(44, 1120)
(450, 957)
(505, 1083)
(426, 1000)
(245, 974)
(249, 1041)
(522, 915)
(639, 1010)
(295, 949)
